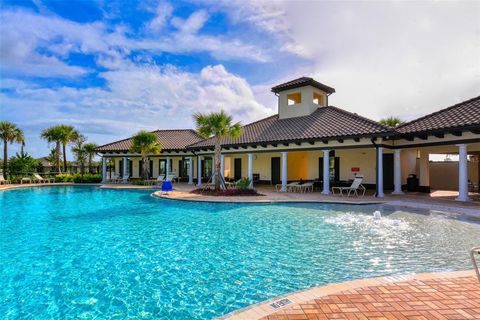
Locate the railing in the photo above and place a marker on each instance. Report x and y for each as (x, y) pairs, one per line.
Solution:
(474, 251)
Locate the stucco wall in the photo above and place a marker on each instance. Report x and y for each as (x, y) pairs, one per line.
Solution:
(444, 175)
(304, 108)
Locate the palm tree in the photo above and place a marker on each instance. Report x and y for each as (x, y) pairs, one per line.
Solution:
(391, 121)
(218, 125)
(145, 143)
(52, 157)
(80, 153)
(9, 133)
(67, 134)
(90, 149)
(53, 134)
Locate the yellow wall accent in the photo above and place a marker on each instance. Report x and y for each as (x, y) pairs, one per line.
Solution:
(297, 165)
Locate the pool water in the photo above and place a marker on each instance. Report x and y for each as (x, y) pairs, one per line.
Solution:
(89, 253)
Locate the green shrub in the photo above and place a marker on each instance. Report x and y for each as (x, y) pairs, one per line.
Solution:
(243, 183)
(22, 164)
(64, 177)
(87, 178)
(138, 182)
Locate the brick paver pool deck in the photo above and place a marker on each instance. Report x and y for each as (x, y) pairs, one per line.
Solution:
(451, 295)
(429, 299)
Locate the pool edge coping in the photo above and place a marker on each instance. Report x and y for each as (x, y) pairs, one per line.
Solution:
(263, 308)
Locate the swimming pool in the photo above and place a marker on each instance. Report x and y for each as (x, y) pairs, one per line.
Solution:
(84, 252)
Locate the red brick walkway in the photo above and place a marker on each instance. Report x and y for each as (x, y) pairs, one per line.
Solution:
(455, 298)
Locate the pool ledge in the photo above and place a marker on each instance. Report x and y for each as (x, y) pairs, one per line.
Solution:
(265, 308)
(185, 196)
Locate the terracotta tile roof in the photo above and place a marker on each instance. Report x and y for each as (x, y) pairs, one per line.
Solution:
(170, 140)
(325, 123)
(301, 82)
(462, 115)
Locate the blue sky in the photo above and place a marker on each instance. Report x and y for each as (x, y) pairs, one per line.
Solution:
(111, 68)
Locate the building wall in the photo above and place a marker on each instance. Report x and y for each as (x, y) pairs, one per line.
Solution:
(444, 175)
(304, 108)
(304, 165)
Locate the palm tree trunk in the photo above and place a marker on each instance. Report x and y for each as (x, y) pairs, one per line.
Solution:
(89, 163)
(145, 169)
(218, 155)
(58, 156)
(65, 157)
(5, 158)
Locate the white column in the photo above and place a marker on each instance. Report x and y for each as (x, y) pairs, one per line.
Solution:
(124, 175)
(222, 166)
(462, 173)
(199, 171)
(250, 169)
(284, 172)
(167, 169)
(326, 172)
(190, 170)
(380, 193)
(104, 170)
(397, 172)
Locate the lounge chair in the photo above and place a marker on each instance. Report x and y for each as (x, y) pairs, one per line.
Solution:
(150, 182)
(171, 177)
(304, 187)
(290, 186)
(3, 180)
(38, 178)
(354, 187)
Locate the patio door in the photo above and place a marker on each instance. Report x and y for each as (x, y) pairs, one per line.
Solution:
(150, 168)
(237, 169)
(334, 167)
(388, 171)
(275, 170)
(162, 166)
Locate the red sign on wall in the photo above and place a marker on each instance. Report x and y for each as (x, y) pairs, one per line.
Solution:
(355, 169)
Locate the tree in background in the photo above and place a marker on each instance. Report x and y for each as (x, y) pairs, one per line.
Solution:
(217, 125)
(145, 143)
(53, 134)
(80, 153)
(9, 133)
(391, 121)
(90, 149)
(22, 163)
(53, 158)
(68, 134)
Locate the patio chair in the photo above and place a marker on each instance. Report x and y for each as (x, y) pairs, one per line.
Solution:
(304, 187)
(38, 178)
(354, 187)
(3, 180)
(157, 181)
(171, 177)
(290, 186)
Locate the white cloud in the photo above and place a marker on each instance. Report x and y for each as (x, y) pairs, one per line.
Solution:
(136, 97)
(384, 58)
(163, 12)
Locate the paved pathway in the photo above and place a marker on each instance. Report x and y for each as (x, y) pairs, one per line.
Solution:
(455, 298)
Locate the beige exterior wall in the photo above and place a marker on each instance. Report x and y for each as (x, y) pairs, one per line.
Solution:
(304, 108)
(304, 164)
(444, 175)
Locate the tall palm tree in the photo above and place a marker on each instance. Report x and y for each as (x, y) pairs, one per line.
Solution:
(145, 143)
(80, 153)
(218, 125)
(9, 133)
(53, 134)
(391, 121)
(90, 149)
(67, 134)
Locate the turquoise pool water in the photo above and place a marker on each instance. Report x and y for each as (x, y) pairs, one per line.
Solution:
(88, 253)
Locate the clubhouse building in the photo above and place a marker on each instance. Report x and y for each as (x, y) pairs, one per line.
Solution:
(310, 140)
